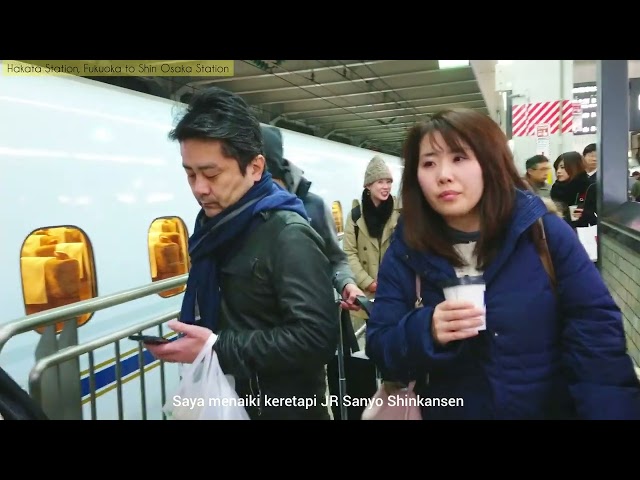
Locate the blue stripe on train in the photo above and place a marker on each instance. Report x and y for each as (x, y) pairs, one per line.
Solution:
(107, 375)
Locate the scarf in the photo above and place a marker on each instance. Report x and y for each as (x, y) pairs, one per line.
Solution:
(216, 239)
(376, 217)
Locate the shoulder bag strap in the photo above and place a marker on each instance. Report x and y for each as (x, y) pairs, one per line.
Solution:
(545, 255)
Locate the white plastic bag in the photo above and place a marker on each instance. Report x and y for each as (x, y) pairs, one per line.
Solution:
(205, 392)
(588, 236)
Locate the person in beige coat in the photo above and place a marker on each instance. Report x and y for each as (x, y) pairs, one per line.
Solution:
(367, 239)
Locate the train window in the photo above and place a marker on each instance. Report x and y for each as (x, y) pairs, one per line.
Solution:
(336, 210)
(168, 251)
(57, 268)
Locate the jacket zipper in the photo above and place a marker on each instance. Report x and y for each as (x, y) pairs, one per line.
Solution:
(259, 393)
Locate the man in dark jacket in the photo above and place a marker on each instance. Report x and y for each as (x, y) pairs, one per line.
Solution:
(259, 278)
(290, 177)
(587, 210)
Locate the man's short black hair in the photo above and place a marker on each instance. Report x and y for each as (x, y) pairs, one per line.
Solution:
(535, 160)
(588, 149)
(217, 114)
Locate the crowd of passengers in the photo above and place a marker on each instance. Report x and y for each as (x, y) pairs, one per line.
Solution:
(547, 342)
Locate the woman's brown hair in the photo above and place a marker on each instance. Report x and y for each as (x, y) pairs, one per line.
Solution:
(424, 228)
(573, 164)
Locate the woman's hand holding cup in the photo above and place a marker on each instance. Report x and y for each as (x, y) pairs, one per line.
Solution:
(456, 320)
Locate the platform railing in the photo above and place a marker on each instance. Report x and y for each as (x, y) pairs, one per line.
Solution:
(67, 312)
(74, 352)
(62, 389)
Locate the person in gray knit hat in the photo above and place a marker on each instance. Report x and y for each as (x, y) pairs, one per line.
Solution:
(369, 228)
(377, 170)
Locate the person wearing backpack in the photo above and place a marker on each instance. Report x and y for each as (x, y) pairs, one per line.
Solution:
(290, 177)
(368, 229)
(525, 337)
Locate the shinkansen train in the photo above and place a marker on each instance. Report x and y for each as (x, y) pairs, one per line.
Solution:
(95, 201)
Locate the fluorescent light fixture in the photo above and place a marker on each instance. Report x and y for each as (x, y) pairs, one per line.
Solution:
(452, 63)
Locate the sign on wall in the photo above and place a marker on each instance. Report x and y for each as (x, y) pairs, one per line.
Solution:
(542, 139)
(525, 117)
(586, 96)
(577, 116)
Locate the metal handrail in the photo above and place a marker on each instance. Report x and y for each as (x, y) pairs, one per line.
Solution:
(50, 317)
(613, 226)
(77, 350)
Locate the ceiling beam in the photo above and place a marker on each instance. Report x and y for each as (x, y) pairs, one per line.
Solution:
(416, 77)
(283, 73)
(416, 115)
(441, 101)
(305, 95)
(340, 114)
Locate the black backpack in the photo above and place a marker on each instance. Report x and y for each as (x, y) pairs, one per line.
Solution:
(15, 403)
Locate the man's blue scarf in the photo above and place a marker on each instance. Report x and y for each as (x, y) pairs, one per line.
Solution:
(214, 240)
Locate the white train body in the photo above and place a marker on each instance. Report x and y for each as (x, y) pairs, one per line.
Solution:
(94, 157)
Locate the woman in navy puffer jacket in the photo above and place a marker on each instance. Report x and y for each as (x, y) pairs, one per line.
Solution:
(547, 352)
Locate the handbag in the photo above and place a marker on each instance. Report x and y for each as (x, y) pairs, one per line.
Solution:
(394, 401)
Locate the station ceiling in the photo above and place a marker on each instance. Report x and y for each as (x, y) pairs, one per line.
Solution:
(366, 103)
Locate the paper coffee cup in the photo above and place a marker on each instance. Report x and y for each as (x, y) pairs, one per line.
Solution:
(572, 212)
(469, 289)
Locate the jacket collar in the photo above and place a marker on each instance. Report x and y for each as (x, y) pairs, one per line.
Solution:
(527, 209)
(297, 184)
